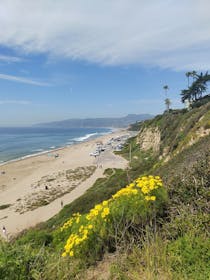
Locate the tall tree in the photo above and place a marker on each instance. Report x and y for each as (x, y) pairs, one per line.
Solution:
(194, 75)
(186, 95)
(167, 103)
(188, 75)
(166, 88)
(197, 88)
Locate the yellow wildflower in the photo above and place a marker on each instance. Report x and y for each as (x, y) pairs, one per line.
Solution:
(81, 228)
(105, 212)
(145, 190)
(147, 197)
(142, 185)
(71, 253)
(98, 207)
(105, 203)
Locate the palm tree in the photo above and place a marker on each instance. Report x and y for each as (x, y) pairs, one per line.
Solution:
(186, 95)
(167, 103)
(197, 88)
(188, 75)
(194, 75)
(166, 88)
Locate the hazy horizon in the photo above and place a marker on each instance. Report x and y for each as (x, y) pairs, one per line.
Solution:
(92, 118)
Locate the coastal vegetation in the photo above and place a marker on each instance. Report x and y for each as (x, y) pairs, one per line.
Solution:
(4, 206)
(112, 221)
(198, 87)
(149, 221)
(49, 188)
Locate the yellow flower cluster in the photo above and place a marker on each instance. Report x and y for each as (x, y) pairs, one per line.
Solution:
(76, 239)
(105, 212)
(75, 218)
(99, 209)
(152, 197)
(125, 191)
(97, 216)
(146, 185)
(94, 212)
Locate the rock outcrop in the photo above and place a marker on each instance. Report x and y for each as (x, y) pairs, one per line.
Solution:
(149, 138)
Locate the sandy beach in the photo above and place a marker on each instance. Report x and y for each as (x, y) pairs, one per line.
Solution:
(34, 189)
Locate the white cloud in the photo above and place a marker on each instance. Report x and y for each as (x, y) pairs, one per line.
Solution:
(18, 102)
(168, 34)
(6, 58)
(22, 80)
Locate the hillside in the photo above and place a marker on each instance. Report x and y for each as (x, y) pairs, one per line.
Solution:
(159, 231)
(171, 133)
(98, 122)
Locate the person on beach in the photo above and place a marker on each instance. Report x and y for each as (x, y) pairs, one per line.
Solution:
(61, 203)
(4, 232)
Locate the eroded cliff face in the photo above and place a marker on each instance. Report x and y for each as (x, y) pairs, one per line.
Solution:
(149, 138)
(169, 134)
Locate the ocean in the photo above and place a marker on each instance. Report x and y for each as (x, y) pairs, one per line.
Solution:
(22, 142)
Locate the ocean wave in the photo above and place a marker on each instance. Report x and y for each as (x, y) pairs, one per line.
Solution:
(24, 157)
(34, 155)
(25, 151)
(83, 138)
(70, 143)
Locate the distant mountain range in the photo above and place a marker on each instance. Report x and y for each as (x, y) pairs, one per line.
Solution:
(98, 122)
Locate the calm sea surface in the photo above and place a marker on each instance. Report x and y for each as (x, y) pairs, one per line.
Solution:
(20, 142)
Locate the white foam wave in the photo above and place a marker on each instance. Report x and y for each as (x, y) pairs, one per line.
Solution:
(83, 138)
(36, 154)
(69, 143)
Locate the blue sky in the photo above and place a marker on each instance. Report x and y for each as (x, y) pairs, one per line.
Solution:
(77, 59)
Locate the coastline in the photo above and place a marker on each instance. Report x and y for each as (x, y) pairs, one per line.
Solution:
(51, 150)
(25, 180)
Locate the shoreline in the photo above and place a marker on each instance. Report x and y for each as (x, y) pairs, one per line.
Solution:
(25, 181)
(112, 130)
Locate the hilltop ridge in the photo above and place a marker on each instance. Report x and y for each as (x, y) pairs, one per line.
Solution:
(98, 122)
(174, 131)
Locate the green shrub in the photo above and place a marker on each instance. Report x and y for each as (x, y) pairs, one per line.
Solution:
(4, 206)
(36, 238)
(189, 257)
(111, 223)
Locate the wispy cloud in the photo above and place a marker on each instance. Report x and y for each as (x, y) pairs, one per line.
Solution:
(9, 59)
(167, 34)
(22, 80)
(18, 102)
